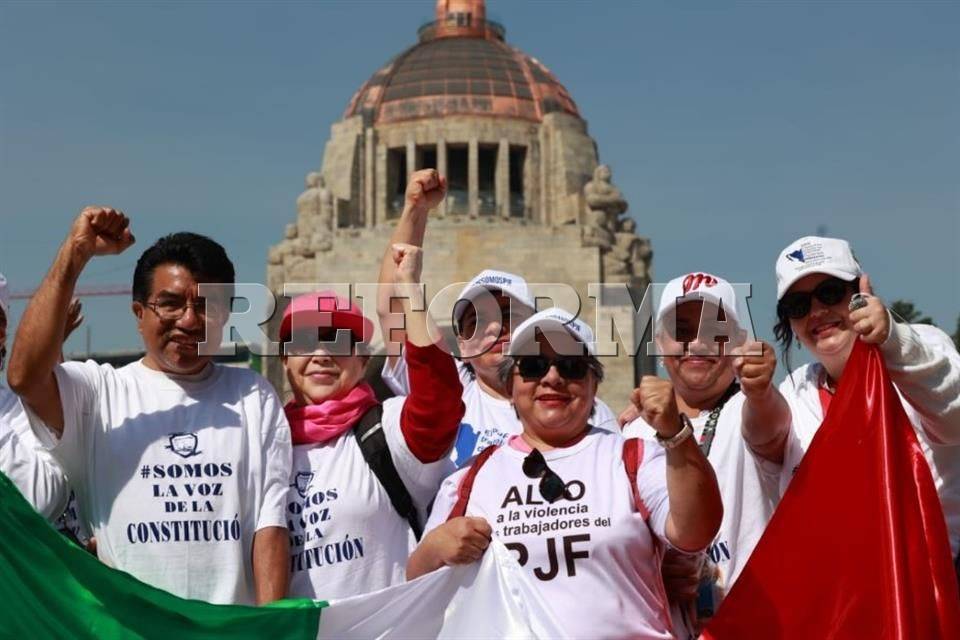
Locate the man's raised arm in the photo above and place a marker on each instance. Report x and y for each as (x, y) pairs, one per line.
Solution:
(36, 350)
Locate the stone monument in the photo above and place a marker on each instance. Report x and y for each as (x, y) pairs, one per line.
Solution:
(526, 191)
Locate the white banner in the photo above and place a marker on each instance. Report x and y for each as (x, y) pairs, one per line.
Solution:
(489, 599)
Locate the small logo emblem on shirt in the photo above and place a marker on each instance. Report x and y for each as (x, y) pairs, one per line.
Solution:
(301, 482)
(183, 444)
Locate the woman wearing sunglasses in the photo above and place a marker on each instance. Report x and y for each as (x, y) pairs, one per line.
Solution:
(363, 473)
(826, 303)
(586, 513)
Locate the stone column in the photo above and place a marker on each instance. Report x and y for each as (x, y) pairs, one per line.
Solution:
(473, 178)
(442, 170)
(411, 157)
(380, 183)
(503, 178)
(369, 181)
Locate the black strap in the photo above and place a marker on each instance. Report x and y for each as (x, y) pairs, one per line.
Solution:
(373, 444)
(706, 437)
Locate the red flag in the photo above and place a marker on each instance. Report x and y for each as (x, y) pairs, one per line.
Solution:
(858, 547)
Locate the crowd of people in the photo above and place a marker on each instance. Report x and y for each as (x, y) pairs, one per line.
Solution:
(196, 478)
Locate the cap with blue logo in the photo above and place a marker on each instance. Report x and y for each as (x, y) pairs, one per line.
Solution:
(509, 284)
(812, 254)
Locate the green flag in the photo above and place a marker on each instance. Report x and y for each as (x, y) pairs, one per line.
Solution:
(49, 587)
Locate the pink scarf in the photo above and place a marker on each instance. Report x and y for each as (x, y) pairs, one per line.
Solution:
(327, 420)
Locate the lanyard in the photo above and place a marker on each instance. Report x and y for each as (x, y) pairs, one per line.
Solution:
(709, 430)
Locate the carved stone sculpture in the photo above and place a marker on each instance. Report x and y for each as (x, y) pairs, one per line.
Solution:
(605, 205)
(595, 231)
(601, 195)
(315, 207)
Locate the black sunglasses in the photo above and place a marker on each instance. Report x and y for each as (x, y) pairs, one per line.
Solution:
(569, 367)
(796, 305)
(552, 487)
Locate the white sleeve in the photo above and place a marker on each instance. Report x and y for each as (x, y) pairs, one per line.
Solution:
(276, 460)
(421, 479)
(638, 428)
(396, 377)
(81, 387)
(603, 417)
(35, 473)
(652, 486)
(445, 501)
(924, 365)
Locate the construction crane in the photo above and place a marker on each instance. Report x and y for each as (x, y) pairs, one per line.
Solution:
(83, 292)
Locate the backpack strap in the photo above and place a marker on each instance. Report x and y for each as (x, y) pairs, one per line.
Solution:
(632, 455)
(466, 484)
(373, 445)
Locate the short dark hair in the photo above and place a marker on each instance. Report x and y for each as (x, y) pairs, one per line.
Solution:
(204, 258)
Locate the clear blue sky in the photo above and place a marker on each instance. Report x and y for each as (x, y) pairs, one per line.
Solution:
(731, 128)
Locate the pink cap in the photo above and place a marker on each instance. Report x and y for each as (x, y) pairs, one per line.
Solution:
(326, 309)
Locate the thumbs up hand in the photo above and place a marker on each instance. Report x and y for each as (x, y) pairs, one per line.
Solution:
(869, 317)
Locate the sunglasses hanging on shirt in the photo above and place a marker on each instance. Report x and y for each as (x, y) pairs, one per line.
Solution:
(797, 305)
(552, 487)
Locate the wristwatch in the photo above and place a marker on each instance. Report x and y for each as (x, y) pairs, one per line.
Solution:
(675, 441)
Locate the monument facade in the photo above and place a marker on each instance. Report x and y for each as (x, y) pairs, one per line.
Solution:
(527, 193)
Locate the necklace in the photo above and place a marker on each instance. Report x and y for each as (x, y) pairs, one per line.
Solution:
(710, 429)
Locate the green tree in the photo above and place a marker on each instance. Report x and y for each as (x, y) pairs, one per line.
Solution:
(906, 311)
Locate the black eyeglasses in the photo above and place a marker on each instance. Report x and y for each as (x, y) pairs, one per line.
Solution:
(796, 305)
(552, 487)
(175, 308)
(569, 367)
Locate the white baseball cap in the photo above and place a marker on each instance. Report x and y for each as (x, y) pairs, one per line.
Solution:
(4, 295)
(811, 254)
(552, 319)
(510, 284)
(699, 286)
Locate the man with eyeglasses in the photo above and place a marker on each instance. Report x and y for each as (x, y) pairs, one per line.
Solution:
(740, 422)
(489, 306)
(181, 466)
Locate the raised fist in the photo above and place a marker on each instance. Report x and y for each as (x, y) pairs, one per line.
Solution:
(425, 191)
(408, 261)
(657, 405)
(100, 231)
(755, 371)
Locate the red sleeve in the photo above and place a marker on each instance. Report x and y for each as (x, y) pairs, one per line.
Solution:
(432, 412)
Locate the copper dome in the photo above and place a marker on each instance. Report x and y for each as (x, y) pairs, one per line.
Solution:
(461, 66)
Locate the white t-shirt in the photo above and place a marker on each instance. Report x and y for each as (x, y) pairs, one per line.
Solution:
(487, 420)
(749, 487)
(345, 536)
(924, 367)
(595, 558)
(175, 474)
(23, 460)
